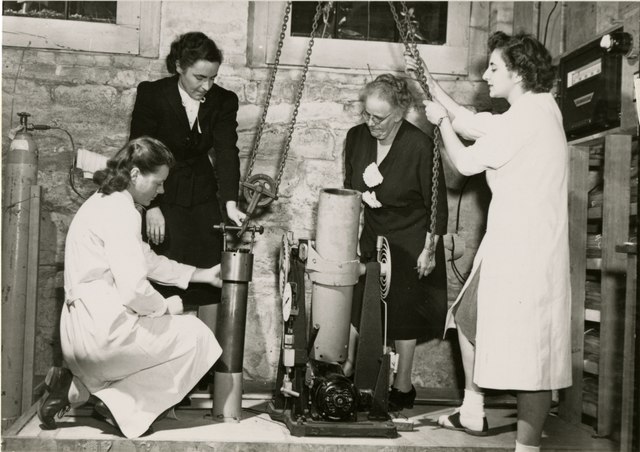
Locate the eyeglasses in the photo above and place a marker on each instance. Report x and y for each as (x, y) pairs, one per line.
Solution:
(375, 120)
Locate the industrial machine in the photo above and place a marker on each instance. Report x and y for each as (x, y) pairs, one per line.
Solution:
(314, 395)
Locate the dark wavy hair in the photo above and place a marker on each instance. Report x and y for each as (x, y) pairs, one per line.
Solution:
(394, 90)
(190, 47)
(145, 153)
(525, 55)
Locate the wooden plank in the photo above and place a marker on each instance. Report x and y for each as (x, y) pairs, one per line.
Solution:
(594, 138)
(592, 315)
(628, 369)
(70, 35)
(570, 407)
(594, 263)
(590, 367)
(31, 301)
(628, 115)
(150, 28)
(615, 227)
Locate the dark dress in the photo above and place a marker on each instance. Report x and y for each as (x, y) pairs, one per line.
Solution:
(416, 307)
(195, 190)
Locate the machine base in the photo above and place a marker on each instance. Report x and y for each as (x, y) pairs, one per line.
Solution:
(309, 427)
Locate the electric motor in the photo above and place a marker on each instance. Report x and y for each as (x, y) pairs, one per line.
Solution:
(334, 397)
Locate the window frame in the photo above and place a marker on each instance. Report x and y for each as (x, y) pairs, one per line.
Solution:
(450, 58)
(136, 31)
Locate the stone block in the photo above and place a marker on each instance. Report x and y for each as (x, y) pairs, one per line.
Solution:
(313, 141)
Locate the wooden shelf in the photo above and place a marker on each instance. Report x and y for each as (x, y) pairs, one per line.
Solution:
(596, 333)
(595, 213)
(595, 138)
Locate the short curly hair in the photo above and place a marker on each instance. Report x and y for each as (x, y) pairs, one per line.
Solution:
(187, 49)
(525, 55)
(394, 90)
(145, 153)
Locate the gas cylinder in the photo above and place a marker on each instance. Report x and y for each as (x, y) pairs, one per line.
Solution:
(20, 173)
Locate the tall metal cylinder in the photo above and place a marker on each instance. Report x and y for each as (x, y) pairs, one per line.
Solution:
(20, 171)
(337, 241)
(236, 272)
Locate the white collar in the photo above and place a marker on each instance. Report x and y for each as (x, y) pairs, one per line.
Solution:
(187, 101)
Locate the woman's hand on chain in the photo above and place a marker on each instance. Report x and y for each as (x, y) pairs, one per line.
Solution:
(425, 263)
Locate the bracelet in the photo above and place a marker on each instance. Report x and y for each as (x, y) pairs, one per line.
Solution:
(441, 119)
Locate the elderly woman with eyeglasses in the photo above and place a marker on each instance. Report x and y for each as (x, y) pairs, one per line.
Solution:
(390, 160)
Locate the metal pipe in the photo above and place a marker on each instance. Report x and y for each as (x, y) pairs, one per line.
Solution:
(336, 241)
(20, 172)
(236, 272)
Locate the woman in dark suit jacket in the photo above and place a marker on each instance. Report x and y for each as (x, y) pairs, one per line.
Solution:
(196, 120)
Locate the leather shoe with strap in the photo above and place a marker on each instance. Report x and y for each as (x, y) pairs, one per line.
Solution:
(452, 422)
(56, 398)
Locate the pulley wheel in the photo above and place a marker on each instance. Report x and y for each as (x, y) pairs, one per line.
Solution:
(384, 259)
(266, 184)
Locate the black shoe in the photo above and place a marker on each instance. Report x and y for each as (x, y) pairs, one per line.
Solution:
(102, 410)
(56, 399)
(399, 400)
(452, 422)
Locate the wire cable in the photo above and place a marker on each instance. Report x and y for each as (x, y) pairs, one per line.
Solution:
(456, 271)
(546, 27)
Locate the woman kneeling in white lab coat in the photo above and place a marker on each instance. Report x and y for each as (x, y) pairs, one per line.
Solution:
(122, 341)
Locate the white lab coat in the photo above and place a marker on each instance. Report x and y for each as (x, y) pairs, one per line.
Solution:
(523, 338)
(115, 336)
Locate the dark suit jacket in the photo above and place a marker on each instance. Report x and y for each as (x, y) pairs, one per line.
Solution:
(158, 112)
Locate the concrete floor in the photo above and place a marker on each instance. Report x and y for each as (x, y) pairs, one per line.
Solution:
(194, 430)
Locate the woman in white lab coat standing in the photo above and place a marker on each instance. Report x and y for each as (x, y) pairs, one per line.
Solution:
(520, 275)
(122, 341)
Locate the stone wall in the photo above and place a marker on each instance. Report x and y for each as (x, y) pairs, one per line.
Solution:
(91, 96)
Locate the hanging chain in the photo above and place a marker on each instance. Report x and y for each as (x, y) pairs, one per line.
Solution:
(274, 71)
(407, 34)
(320, 11)
(303, 79)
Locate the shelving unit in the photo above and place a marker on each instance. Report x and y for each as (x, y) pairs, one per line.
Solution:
(600, 210)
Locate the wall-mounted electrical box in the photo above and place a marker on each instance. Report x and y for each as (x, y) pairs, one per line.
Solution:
(590, 89)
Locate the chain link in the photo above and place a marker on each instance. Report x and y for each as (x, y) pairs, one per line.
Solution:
(303, 79)
(274, 71)
(407, 34)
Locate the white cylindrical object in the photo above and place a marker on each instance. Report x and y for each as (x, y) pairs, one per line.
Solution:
(336, 241)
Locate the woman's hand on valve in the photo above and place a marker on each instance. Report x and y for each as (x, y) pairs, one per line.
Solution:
(435, 112)
(155, 225)
(425, 263)
(235, 214)
(209, 275)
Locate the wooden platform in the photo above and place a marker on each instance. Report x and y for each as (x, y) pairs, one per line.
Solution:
(195, 431)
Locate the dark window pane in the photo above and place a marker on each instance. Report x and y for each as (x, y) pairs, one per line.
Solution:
(93, 11)
(84, 11)
(430, 21)
(372, 21)
(302, 18)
